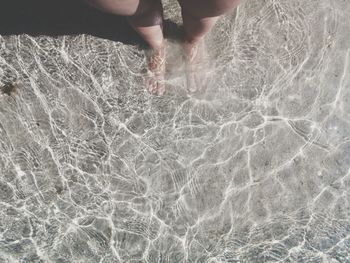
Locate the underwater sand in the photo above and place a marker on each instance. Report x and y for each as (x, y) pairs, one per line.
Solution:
(254, 167)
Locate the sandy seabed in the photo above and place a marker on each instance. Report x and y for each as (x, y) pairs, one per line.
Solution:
(254, 167)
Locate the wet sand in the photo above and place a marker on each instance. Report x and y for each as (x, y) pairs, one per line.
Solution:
(253, 167)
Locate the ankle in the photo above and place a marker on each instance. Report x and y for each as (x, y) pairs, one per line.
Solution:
(158, 46)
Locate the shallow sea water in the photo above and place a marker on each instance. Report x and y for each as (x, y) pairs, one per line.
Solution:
(254, 167)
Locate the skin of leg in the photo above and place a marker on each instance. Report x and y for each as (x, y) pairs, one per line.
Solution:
(146, 17)
(208, 8)
(199, 17)
(149, 24)
(122, 7)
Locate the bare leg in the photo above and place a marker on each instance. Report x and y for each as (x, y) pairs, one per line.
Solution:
(146, 17)
(196, 63)
(199, 17)
(149, 25)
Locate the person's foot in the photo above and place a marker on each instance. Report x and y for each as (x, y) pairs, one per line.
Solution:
(196, 65)
(156, 70)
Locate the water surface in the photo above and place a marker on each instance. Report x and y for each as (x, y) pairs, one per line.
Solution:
(252, 168)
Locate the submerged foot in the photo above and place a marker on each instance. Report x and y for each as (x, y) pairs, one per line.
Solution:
(196, 65)
(156, 70)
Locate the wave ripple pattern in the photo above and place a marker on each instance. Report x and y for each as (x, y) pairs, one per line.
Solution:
(254, 168)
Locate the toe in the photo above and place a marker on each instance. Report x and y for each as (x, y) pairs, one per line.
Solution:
(191, 84)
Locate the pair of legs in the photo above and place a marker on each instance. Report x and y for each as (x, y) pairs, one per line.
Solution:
(146, 17)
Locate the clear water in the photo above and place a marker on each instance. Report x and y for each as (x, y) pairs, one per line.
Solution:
(254, 167)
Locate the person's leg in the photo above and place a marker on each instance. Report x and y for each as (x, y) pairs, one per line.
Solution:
(146, 17)
(199, 17)
(149, 25)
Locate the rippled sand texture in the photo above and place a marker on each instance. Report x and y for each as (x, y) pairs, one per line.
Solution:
(253, 168)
